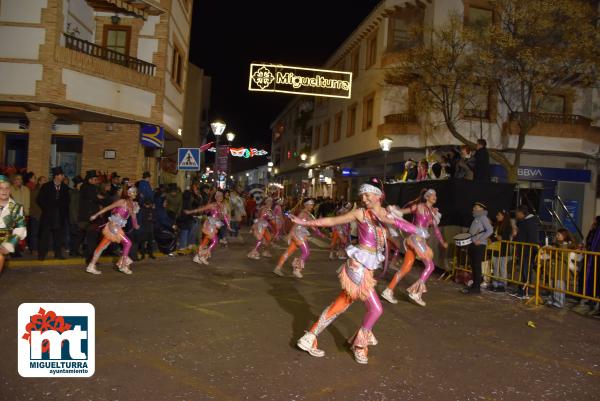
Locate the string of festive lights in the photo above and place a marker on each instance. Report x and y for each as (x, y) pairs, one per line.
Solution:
(244, 152)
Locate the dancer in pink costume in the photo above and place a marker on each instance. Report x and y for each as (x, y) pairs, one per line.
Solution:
(278, 219)
(261, 230)
(340, 235)
(356, 274)
(121, 211)
(217, 216)
(298, 238)
(424, 216)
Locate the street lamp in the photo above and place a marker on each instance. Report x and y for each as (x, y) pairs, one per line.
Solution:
(230, 136)
(385, 144)
(217, 128)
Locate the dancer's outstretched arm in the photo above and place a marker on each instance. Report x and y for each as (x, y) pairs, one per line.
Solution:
(200, 209)
(118, 203)
(329, 221)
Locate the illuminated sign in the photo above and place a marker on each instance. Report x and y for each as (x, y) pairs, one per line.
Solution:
(348, 172)
(300, 80)
(244, 152)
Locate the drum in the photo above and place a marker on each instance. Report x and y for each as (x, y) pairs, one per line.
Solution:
(463, 239)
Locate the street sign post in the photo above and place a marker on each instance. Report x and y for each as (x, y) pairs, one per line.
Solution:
(188, 159)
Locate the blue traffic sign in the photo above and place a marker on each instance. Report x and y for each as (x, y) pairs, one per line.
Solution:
(188, 159)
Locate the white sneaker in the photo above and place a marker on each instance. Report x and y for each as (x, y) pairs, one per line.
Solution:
(279, 272)
(388, 295)
(196, 259)
(125, 270)
(360, 355)
(92, 269)
(254, 255)
(297, 273)
(416, 299)
(331, 255)
(306, 343)
(372, 340)
(267, 254)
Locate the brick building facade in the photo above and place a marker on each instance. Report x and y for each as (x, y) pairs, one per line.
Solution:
(78, 77)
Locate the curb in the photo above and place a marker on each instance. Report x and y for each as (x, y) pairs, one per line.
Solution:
(51, 262)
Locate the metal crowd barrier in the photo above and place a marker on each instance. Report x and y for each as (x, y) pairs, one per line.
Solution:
(569, 271)
(517, 259)
(505, 262)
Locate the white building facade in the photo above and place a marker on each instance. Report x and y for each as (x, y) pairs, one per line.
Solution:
(344, 146)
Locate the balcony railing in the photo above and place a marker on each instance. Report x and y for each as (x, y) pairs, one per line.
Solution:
(400, 118)
(83, 46)
(553, 118)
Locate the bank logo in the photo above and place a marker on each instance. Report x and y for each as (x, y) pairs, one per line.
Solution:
(56, 339)
(263, 77)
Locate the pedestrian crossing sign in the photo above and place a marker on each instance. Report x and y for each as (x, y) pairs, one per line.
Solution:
(188, 159)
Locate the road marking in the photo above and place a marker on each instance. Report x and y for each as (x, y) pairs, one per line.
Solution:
(206, 311)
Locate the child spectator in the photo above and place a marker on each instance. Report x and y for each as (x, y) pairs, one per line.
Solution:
(559, 266)
(502, 232)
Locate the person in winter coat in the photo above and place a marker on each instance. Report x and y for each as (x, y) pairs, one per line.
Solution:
(528, 231)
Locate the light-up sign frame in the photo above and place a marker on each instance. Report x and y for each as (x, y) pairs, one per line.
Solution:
(300, 80)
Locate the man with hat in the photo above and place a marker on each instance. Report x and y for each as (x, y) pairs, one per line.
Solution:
(480, 230)
(89, 204)
(115, 186)
(53, 199)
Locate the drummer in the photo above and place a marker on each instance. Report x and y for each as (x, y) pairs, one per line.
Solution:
(480, 230)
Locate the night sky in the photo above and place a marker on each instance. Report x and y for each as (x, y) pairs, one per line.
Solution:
(227, 36)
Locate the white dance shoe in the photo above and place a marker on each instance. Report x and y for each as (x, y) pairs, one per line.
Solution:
(360, 355)
(417, 299)
(91, 268)
(308, 343)
(388, 295)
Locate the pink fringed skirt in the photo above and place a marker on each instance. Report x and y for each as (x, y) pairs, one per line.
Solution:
(356, 280)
